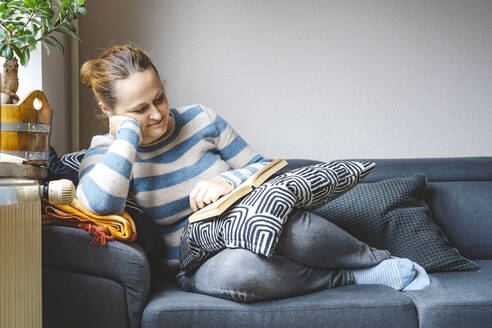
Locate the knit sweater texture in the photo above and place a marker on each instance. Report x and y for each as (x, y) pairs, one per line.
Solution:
(161, 176)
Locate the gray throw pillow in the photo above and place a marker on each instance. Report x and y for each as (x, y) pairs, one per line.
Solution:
(391, 214)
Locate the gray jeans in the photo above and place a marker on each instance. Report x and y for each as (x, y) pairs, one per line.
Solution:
(312, 254)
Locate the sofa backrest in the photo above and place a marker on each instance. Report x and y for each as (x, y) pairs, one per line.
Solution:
(458, 192)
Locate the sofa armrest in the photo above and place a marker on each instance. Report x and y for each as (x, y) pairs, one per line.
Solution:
(70, 250)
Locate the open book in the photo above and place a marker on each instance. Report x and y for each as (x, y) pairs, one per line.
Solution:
(224, 202)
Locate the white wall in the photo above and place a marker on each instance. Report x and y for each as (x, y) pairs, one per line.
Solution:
(329, 79)
(31, 76)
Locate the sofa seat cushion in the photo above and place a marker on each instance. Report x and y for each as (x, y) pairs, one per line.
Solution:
(348, 306)
(456, 299)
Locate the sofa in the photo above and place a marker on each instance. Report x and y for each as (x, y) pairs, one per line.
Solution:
(119, 286)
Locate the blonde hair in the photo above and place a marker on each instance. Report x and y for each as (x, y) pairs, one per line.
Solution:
(116, 63)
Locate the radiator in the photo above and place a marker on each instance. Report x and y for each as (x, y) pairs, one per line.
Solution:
(20, 254)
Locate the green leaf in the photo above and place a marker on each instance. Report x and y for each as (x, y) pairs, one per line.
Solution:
(30, 3)
(55, 43)
(46, 12)
(18, 17)
(34, 29)
(18, 39)
(44, 30)
(67, 31)
(3, 47)
(22, 9)
(80, 3)
(8, 53)
(26, 56)
(30, 39)
(15, 3)
(15, 9)
(48, 51)
(82, 11)
(3, 6)
(3, 35)
(70, 12)
(59, 20)
(16, 50)
(22, 59)
(37, 21)
(70, 26)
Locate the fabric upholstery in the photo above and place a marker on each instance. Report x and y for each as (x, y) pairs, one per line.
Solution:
(435, 169)
(76, 300)
(463, 210)
(458, 194)
(456, 299)
(391, 214)
(349, 306)
(70, 249)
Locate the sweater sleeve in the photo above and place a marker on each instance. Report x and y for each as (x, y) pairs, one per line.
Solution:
(106, 168)
(240, 156)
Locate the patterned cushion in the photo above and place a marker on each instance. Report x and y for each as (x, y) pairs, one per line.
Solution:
(65, 167)
(255, 222)
(391, 214)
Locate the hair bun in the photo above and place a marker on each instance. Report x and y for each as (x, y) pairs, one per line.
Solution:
(86, 72)
(116, 63)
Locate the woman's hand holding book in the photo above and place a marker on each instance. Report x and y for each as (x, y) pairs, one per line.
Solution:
(208, 191)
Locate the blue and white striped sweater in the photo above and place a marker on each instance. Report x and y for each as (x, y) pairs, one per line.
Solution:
(161, 176)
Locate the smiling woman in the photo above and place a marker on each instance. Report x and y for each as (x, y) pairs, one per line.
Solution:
(173, 161)
(127, 87)
(142, 98)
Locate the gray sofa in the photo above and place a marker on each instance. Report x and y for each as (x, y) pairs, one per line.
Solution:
(114, 286)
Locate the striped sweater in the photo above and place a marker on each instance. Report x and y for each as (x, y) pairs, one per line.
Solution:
(160, 176)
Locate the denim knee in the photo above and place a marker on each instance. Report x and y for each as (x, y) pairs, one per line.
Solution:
(229, 274)
(243, 276)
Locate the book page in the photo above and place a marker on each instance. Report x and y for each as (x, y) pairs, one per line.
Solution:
(262, 175)
(241, 190)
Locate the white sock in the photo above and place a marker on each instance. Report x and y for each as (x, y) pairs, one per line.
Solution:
(396, 273)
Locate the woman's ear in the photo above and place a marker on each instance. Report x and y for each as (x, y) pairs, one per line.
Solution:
(106, 110)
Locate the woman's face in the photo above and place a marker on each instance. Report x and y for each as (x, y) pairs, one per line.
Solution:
(141, 97)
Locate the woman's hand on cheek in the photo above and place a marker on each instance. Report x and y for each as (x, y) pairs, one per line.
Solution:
(208, 191)
(115, 122)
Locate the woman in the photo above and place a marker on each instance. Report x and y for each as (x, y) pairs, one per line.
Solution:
(173, 161)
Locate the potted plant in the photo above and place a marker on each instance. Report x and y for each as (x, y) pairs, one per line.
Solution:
(23, 24)
(25, 126)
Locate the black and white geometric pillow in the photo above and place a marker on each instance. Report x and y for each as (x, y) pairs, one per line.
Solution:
(255, 222)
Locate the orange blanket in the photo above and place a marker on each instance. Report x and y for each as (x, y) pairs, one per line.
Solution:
(103, 228)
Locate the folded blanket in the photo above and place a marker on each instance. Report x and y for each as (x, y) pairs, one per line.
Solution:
(103, 228)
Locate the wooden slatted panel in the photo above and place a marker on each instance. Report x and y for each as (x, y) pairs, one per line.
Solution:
(20, 253)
